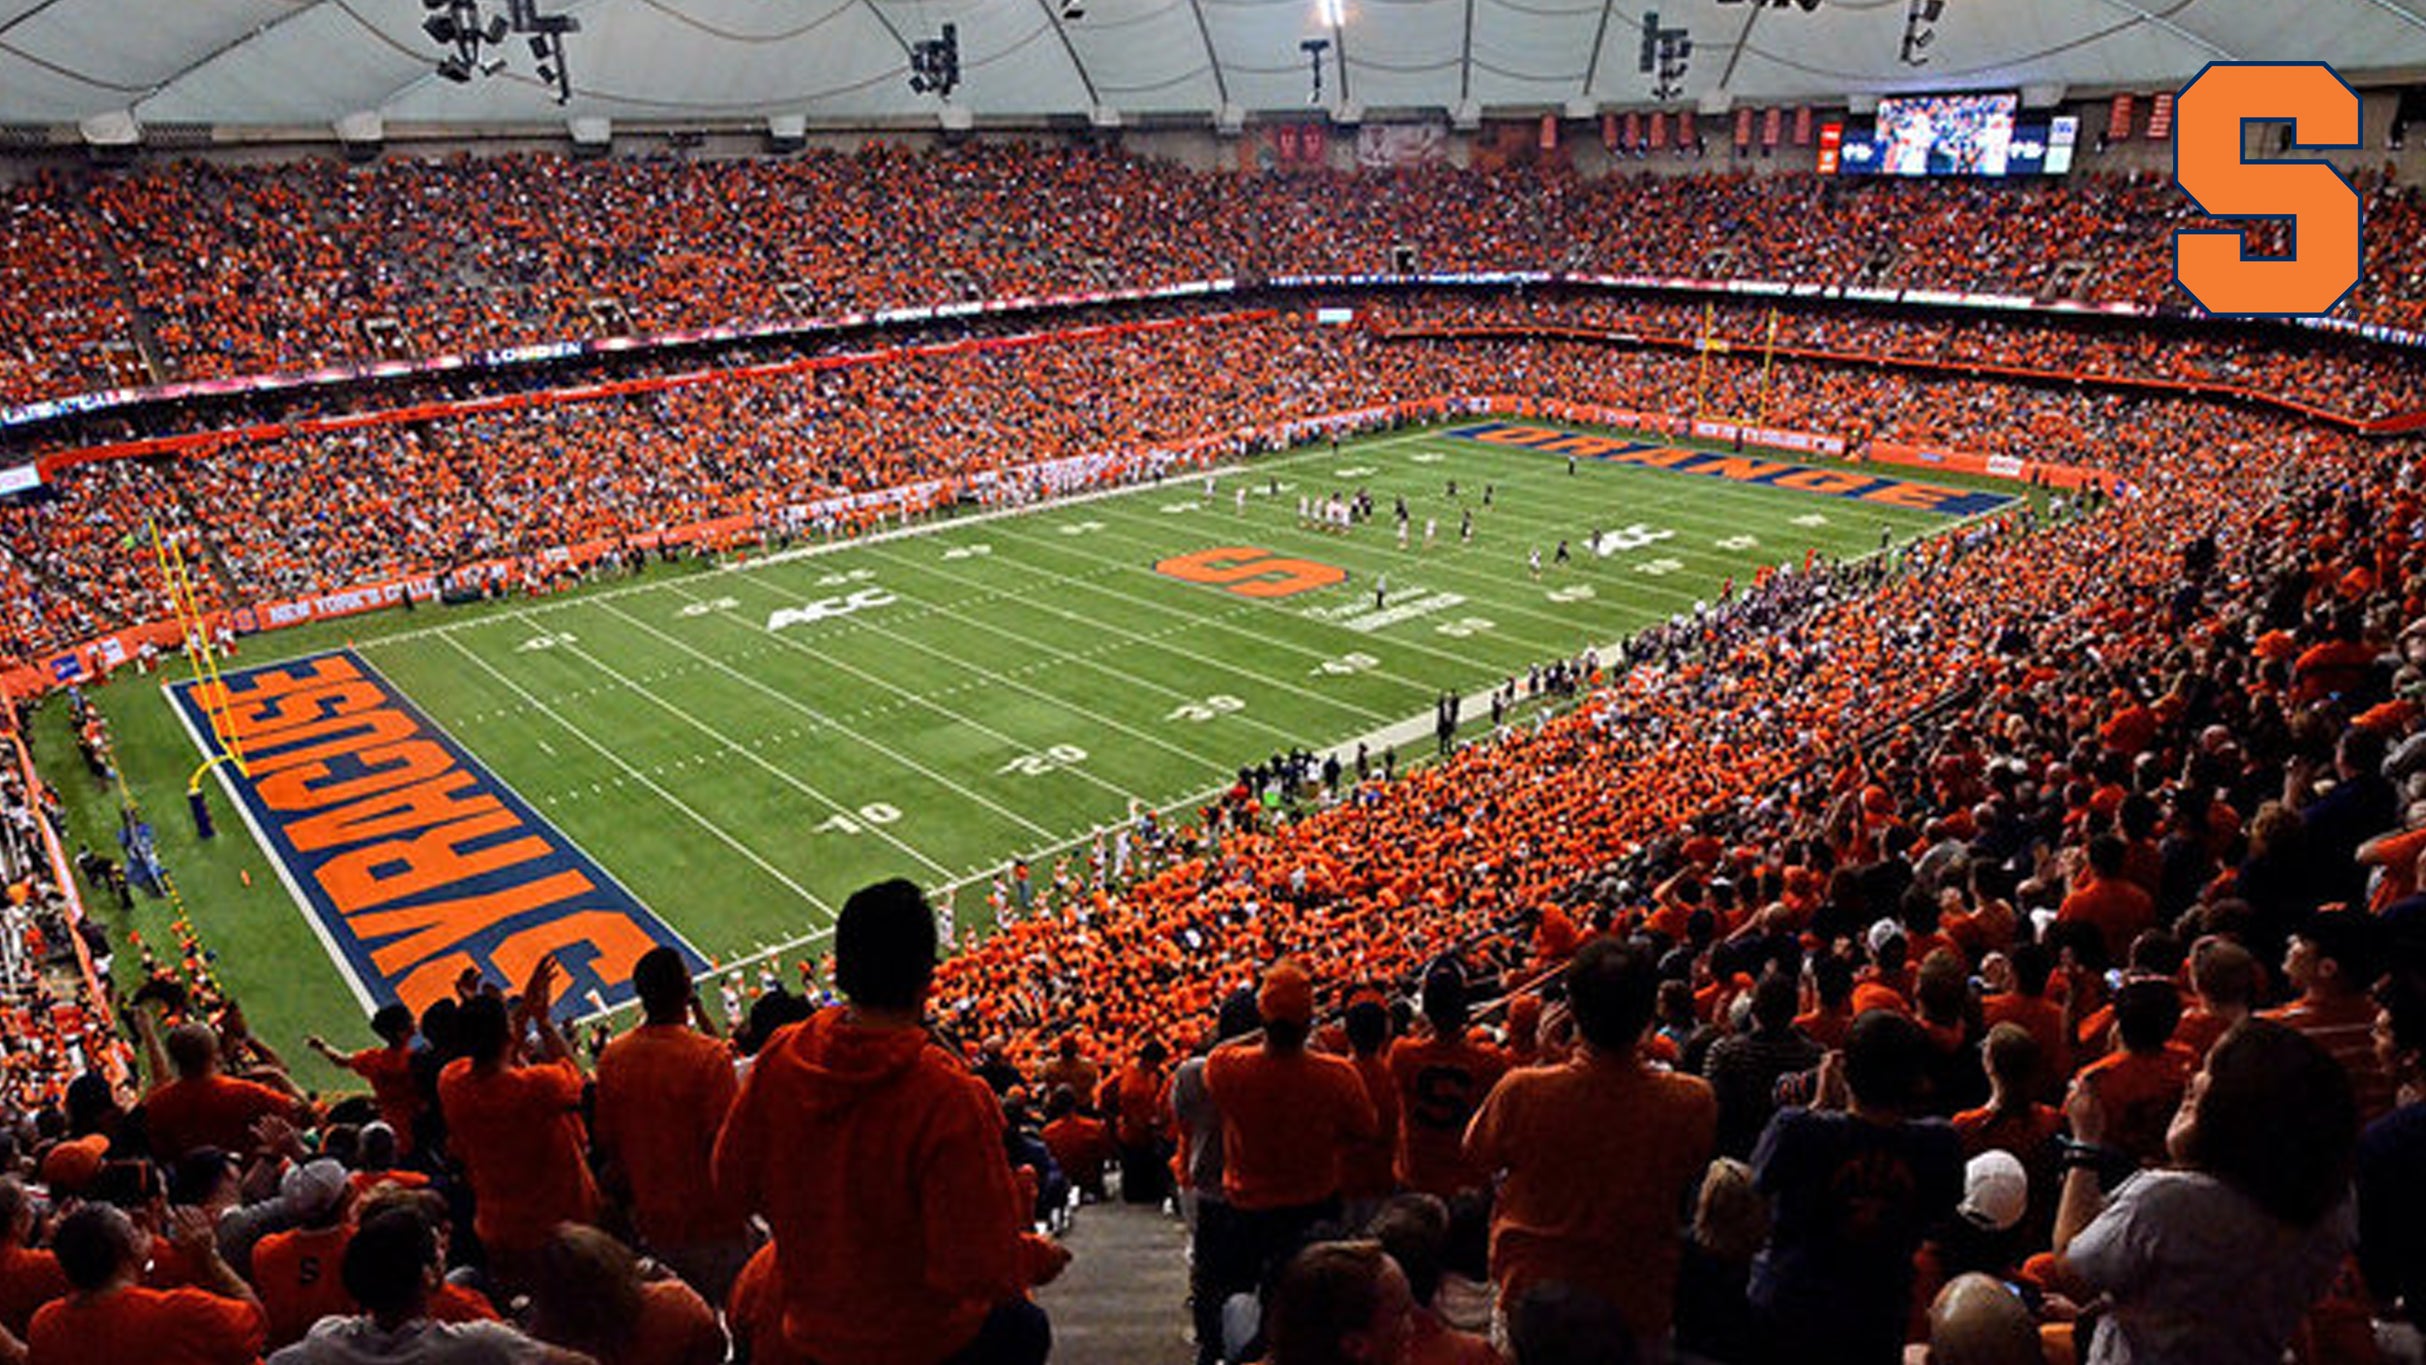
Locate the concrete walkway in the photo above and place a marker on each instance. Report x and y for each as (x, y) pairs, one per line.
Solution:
(1124, 1299)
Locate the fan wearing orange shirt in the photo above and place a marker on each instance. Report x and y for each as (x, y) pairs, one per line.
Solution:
(388, 1069)
(2224, 977)
(2011, 1121)
(1831, 1012)
(516, 1124)
(1080, 1145)
(663, 1092)
(297, 1272)
(2015, 1123)
(2028, 1007)
(1440, 1081)
(2108, 899)
(1414, 1230)
(2141, 1086)
(588, 1295)
(1597, 1155)
(108, 1316)
(1288, 1116)
(28, 1278)
(1367, 1169)
(202, 1107)
(1139, 1100)
(2335, 959)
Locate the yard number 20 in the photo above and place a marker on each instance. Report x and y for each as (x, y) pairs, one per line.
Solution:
(2209, 166)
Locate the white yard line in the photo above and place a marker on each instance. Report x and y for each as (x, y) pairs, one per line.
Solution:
(721, 834)
(1100, 625)
(778, 558)
(727, 745)
(870, 624)
(819, 717)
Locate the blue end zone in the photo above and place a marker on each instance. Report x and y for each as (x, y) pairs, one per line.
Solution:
(1835, 482)
(411, 859)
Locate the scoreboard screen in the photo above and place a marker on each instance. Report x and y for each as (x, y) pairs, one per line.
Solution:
(1957, 135)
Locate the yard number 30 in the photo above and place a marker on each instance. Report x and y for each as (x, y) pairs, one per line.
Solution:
(2210, 166)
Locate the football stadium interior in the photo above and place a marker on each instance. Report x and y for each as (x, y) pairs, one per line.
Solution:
(884, 682)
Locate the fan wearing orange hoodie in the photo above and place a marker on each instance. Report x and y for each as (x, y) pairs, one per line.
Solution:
(877, 1158)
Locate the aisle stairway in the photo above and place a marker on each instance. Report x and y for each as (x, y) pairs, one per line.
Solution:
(1124, 1299)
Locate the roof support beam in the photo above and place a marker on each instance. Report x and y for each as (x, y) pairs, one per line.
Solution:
(1600, 35)
(261, 31)
(1221, 83)
(38, 9)
(2404, 12)
(1465, 55)
(1743, 39)
(1053, 17)
(2165, 22)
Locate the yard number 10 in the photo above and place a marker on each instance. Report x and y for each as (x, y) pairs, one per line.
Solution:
(2211, 167)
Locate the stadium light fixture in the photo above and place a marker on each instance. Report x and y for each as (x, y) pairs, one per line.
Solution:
(464, 27)
(935, 64)
(1920, 21)
(1314, 48)
(1667, 52)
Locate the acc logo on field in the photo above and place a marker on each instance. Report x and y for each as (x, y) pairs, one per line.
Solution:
(2211, 166)
(827, 608)
(1251, 572)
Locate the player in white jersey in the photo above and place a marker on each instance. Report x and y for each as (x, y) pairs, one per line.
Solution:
(1533, 561)
(1431, 528)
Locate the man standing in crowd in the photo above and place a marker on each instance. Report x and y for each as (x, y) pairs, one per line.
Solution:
(1287, 1116)
(1441, 1080)
(111, 1316)
(2335, 960)
(878, 1160)
(1597, 1154)
(1855, 1185)
(515, 1124)
(663, 1091)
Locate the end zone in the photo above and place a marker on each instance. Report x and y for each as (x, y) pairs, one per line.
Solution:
(409, 858)
(1879, 489)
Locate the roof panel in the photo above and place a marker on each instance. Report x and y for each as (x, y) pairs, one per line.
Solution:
(312, 61)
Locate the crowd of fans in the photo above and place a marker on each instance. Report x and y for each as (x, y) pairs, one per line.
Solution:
(2013, 950)
(2356, 381)
(51, 1027)
(2155, 774)
(2044, 907)
(280, 267)
(317, 512)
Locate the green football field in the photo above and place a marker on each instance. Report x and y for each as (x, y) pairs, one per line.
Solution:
(744, 744)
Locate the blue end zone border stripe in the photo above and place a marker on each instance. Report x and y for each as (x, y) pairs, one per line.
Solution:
(1835, 482)
(413, 860)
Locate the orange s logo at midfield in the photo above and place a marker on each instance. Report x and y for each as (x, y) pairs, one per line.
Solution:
(1251, 572)
(2212, 115)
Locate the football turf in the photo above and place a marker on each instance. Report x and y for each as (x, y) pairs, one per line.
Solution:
(743, 744)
